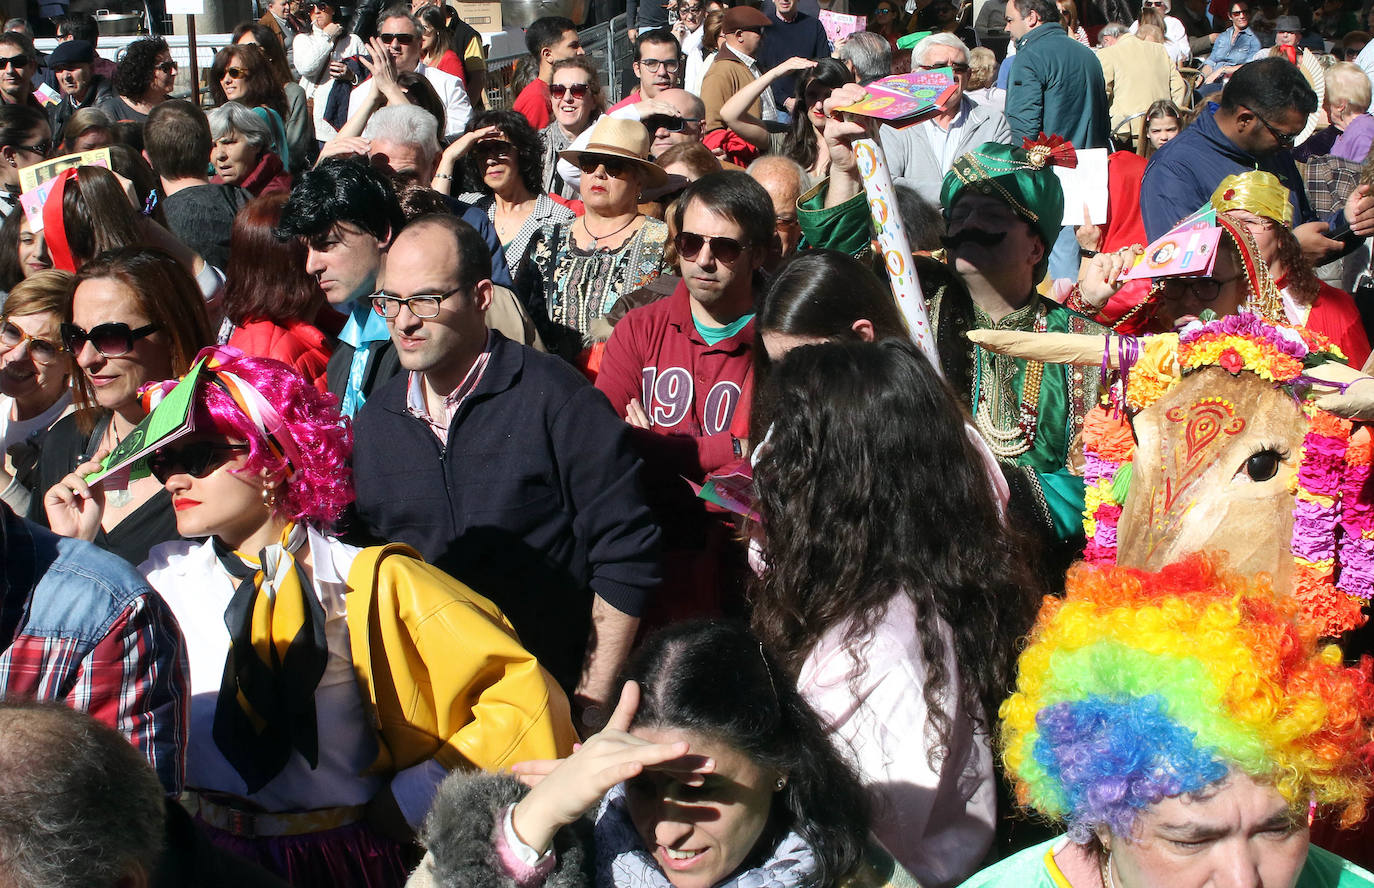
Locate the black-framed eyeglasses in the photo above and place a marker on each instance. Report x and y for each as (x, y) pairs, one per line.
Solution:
(111, 340)
(423, 306)
(576, 90)
(615, 167)
(194, 458)
(403, 39)
(1200, 289)
(726, 249)
(166, 67)
(17, 62)
(652, 65)
(655, 122)
(41, 350)
(1285, 140)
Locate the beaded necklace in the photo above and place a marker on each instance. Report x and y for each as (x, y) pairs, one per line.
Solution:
(1008, 427)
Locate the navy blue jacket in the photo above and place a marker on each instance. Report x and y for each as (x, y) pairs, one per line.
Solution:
(534, 502)
(1183, 174)
(803, 36)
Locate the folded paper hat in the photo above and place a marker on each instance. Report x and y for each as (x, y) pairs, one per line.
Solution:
(625, 140)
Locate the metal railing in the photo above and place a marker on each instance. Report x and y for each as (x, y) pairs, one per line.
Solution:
(608, 45)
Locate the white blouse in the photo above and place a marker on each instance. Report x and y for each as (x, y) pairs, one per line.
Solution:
(198, 589)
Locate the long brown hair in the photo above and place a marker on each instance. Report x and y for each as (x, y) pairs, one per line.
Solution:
(261, 86)
(97, 215)
(266, 277)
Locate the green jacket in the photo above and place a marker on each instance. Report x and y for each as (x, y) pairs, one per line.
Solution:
(1056, 87)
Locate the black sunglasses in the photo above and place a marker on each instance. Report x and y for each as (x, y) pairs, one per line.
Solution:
(485, 151)
(17, 62)
(615, 168)
(166, 67)
(655, 122)
(1285, 140)
(195, 458)
(111, 340)
(403, 39)
(726, 249)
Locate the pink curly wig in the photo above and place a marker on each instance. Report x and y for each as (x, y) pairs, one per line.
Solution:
(320, 487)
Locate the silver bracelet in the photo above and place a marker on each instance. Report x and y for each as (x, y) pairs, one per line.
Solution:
(442, 176)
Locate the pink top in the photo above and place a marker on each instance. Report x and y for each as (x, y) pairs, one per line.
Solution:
(937, 821)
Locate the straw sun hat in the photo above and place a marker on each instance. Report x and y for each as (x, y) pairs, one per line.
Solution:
(626, 140)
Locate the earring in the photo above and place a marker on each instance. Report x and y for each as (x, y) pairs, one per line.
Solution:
(780, 785)
(269, 497)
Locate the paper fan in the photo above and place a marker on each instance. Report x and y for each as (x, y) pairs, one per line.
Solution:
(1316, 76)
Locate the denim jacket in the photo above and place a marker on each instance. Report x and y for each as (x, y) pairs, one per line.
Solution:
(79, 626)
(1232, 49)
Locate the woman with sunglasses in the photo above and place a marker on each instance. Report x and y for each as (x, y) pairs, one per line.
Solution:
(886, 22)
(320, 56)
(436, 40)
(501, 156)
(136, 316)
(580, 269)
(300, 128)
(578, 102)
(144, 77)
(25, 138)
(241, 73)
(34, 375)
(318, 761)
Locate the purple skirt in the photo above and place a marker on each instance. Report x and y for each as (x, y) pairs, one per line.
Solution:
(352, 856)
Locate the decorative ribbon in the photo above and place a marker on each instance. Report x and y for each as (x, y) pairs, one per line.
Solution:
(54, 232)
(277, 656)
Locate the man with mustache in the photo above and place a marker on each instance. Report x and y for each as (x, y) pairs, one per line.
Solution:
(1003, 207)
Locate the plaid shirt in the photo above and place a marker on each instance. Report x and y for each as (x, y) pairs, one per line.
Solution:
(1330, 180)
(79, 626)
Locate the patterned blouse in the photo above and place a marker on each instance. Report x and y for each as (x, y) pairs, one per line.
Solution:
(579, 286)
(546, 211)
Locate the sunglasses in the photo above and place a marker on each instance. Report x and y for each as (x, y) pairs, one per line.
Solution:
(41, 350)
(615, 167)
(166, 67)
(485, 151)
(403, 39)
(652, 65)
(576, 90)
(111, 340)
(1285, 140)
(884, 10)
(41, 147)
(236, 73)
(1240, 13)
(956, 67)
(726, 249)
(655, 122)
(196, 458)
(16, 62)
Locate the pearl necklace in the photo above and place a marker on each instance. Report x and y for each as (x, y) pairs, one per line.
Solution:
(992, 414)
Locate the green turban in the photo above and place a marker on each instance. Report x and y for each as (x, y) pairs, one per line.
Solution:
(1021, 178)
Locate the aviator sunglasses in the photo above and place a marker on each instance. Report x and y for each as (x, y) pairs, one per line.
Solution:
(726, 249)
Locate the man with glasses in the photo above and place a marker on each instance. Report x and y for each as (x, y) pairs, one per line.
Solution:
(1234, 47)
(549, 39)
(677, 370)
(794, 35)
(919, 155)
(18, 64)
(399, 32)
(657, 64)
(1263, 109)
(504, 467)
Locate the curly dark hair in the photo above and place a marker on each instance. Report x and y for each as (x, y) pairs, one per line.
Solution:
(801, 143)
(134, 72)
(529, 149)
(714, 679)
(870, 488)
(262, 88)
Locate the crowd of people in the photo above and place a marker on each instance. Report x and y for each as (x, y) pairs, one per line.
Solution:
(406, 484)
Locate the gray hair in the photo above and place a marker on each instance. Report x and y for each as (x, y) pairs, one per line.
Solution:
(401, 11)
(1112, 29)
(869, 53)
(79, 805)
(405, 125)
(918, 52)
(231, 117)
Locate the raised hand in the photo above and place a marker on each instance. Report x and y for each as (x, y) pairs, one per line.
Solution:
(74, 507)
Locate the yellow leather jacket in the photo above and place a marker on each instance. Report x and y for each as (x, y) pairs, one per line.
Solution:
(443, 674)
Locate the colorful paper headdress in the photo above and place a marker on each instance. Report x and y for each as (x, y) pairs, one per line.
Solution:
(1254, 191)
(1020, 176)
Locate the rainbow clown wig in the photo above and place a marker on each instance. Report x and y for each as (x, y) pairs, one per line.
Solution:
(1140, 686)
(294, 431)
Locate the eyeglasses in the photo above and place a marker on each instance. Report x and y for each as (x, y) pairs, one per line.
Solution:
(652, 65)
(957, 67)
(42, 147)
(1240, 13)
(16, 62)
(235, 73)
(1198, 289)
(424, 307)
(884, 10)
(726, 249)
(688, 10)
(111, 340)
(195, 458)
(576, 90)
(615, 167)
(41, 350)
(786, 222)
(655, 122)
(485, 151)
(403, 39)
(166, 67)
(1285, 140)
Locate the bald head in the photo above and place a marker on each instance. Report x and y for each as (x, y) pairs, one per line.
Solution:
(783, 179)
(692, 111)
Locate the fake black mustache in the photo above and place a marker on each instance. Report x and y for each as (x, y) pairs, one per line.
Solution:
(971, 236)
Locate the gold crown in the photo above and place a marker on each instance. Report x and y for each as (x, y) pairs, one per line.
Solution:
(1255, 192)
